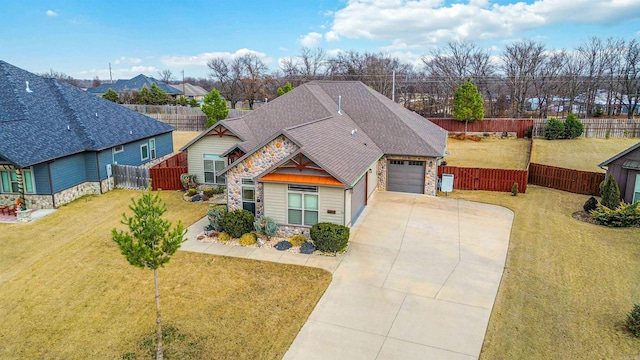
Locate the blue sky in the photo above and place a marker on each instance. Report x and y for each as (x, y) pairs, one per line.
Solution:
(81, 37)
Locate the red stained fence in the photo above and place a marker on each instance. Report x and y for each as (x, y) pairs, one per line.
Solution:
(519, 126)
(575, 181)
(486, 179)
(166, 175)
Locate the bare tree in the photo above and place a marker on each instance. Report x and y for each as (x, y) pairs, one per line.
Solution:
(546, 81)
(629, 77)
(228, 74)
(52, 74)
(96, 82)
(253, 71)
(520, 63)
(165, 75)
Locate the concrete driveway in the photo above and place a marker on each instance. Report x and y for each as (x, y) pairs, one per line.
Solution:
(418, 282)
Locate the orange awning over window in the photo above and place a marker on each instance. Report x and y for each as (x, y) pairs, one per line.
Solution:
(301, 179)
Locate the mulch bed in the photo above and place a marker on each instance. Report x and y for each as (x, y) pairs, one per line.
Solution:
(585, 217)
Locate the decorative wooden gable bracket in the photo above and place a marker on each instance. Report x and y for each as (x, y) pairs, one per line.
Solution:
(220, 132)
(301, 163)
(235, 154)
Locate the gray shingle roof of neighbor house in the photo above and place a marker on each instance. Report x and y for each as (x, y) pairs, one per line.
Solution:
(309, 115)
(619, 155)
(190, 90)
(48, 119)
(136, 84)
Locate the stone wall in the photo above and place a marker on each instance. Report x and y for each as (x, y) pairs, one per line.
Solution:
(286, 231)
(38, 201)
(430, 172)
(75, 192)
(255, 164)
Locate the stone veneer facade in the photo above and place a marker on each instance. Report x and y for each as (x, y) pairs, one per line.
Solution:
(66, 196)
(255, 164)
(430, 172)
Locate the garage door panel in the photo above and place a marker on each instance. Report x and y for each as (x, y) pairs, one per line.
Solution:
(358, 198)
(405, 176)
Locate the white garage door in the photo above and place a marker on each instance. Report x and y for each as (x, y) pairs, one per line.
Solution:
(405, 176)
(358, 198)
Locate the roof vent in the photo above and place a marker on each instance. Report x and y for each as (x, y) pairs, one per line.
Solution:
(340, 106)
(68, 127)
(28, 90)
(354, 132)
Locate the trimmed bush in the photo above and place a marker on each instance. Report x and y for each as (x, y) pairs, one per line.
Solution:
(265, 225)
(297, 240)
(554, 129)
(514, 189)
(633, 320)
(330, 237)
(208, 191)
(215, 215)
(572, 127)
(625, 215)
(248, 239)
(610, 193)
(224, 237)
(188, 181)
(237, 222)
(192, 191)
(590, 205)
(529, 133)
(219, 189)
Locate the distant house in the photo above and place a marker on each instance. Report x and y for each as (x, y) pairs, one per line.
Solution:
(317, 153)
(134, 84)
(191, 91)
(625, 168)
(56, 140)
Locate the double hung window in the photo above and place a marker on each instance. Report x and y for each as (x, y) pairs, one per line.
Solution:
(302, 205)
(213, 164)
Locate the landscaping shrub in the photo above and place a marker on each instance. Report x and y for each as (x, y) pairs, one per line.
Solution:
(237, 222)
(265, 225)
(590, 205)
(215, 215)
(624, 216)
(529, 133)
(610, 193)
(297, 240)
(224, 237)
(188, 181)
(248, 239)
(192, 191)
(572, 127)
(633, 320)
(330, 237)
(554, 129)
(208, 191)
(514, 189)
(219, 189)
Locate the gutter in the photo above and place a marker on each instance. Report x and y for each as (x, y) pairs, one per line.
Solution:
(53, 196)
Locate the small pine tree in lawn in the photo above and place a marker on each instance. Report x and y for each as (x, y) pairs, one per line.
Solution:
(610, 193)
(468, 104)
(572, 127)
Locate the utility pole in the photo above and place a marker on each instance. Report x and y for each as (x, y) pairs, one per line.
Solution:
(110, 77)
(393, 87)
(183, 94)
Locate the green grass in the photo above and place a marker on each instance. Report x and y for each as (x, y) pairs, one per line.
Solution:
(580, 154)
(567, 285)
(490, 153)
(66, 292)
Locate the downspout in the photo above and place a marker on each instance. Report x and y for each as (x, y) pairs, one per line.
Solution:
(53, 195)
(99, 177)
(344, 204)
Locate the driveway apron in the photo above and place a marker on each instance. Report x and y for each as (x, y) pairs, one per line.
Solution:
(418, 282)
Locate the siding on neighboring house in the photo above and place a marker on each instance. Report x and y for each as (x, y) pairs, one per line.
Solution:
(275, 202)
(132, 155)
(91, 167)
(331, 198)
(104, 158)
(373, 178)
(67, 172)
(213, 145)
(41, 178)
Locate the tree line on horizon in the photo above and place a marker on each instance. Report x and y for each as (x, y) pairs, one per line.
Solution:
(525, 71)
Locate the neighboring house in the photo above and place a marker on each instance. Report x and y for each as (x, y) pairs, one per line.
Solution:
(134, 84)
(317, 153)
(56, 140)
(625, 168)
(191, 91)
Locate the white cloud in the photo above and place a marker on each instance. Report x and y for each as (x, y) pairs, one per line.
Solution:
(51, 13)
(310, 40)
(117, 73)
(413, 23)
(126, 60)
(203, 58)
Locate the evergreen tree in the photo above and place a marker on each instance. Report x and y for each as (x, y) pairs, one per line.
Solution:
(110, 95)
(214, 107)
(193, 103)
(144, 96)
(284, 89)
(150, 243)
(572, 127)
(468, 104)
(610, 193)
(157, 96)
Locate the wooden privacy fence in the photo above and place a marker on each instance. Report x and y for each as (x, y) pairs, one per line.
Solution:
(130, 177)
(598, 128)
(519, 126)
(166, 175)
(575, 181)
(486, 179)
(182, 122)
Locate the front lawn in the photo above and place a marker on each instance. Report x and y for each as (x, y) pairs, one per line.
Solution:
(580, 154)
(567, 285)
(490, 153)
(66, 292)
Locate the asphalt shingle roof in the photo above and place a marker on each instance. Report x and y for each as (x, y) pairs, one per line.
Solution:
(136, 84)
(190, 90)
(53, 119)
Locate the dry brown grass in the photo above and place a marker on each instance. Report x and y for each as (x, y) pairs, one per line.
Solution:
(567, 285)
(182, 138)
(488, 153)
(66, 291)
(580, 154)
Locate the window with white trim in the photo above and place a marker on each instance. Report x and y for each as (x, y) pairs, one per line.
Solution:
(213, 165)
(118, 149)
(144, 152)
(302, 205)
(9, 181)
(152, 148)
(249, 195)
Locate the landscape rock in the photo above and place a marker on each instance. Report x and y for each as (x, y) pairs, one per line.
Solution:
(307, 248)
(283, 245)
